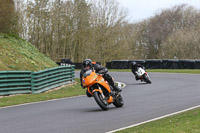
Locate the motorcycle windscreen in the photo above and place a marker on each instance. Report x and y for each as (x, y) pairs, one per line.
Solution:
(87, 73)
(140, 72)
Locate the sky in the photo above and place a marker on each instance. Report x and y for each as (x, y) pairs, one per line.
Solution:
(142, 9)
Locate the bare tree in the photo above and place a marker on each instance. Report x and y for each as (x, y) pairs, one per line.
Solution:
(7, 13)
(153, 33)
(107, 22)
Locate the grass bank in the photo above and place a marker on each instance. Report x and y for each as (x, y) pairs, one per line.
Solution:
(17, 54)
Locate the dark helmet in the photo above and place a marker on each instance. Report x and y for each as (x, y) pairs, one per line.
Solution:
(87, 62)
(133, 64)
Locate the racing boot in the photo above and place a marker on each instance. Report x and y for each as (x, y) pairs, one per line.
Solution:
(111, 82)
(137, 78)
(116, 88)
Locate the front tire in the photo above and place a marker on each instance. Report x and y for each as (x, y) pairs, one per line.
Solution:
(147, 79)
(100, 101)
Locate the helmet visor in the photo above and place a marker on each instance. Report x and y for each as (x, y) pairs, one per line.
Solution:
(86, 66)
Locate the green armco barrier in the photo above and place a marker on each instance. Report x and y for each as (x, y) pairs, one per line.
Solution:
(51, 78)
(18, 82)
(15, 82)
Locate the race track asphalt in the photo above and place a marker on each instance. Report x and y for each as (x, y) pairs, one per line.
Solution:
(168, 93)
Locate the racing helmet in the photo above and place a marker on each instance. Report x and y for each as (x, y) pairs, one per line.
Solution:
(87, 64)
(133, 64)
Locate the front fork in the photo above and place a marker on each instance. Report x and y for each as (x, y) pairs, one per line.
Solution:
(100, 90)
(108, 100)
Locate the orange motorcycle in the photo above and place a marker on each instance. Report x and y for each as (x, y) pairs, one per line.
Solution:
(102, 92)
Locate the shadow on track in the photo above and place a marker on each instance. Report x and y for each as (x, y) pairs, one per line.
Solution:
(99, 109)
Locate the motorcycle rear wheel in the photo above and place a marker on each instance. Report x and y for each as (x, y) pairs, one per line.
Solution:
(119, 102)
(100, 101)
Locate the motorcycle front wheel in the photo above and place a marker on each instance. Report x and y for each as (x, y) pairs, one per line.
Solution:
(100, 101)
(147, 79)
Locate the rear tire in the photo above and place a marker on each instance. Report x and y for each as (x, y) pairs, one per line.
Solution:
(100, 101)
(119, 102)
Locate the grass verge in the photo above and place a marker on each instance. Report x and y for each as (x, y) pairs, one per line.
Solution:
(186, 122)
(68, 91)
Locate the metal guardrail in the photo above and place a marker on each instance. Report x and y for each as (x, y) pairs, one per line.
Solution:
(51, 78)
(19, 82)
(156, 64)
(14, 82)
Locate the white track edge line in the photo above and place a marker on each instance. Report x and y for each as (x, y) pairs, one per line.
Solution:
(158, 118)
(41, 102)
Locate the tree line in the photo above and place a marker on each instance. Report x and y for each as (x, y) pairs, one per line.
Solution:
(7, 16)
(99, 29)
